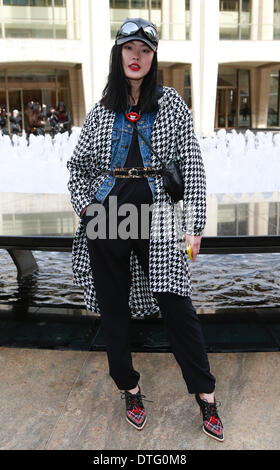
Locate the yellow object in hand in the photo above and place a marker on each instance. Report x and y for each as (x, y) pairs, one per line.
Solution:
(190, 251)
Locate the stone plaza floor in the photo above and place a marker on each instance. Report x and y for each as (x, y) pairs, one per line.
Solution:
(66, 400)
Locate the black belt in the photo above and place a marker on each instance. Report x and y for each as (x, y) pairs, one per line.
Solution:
(137, 172)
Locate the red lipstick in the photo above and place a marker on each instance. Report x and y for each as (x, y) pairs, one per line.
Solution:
(134, 67)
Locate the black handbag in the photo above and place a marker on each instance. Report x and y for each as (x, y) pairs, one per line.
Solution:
(171, 174)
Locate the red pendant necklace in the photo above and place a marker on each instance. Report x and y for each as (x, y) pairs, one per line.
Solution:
(132, 116)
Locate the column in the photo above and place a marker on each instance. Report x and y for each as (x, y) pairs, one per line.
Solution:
(1, 224)
(81, 96)
(77, 19)
(73, 19)
(100, 37)
(266, 16)
(254, 97)
(262, 214)
(77, 95)
(211, 228)
(195, 66)
(2, 16)
(177, 17)
(70, 25)
(95, 39)
(86, 56)
(206, 86)
(264, 86)
(251, 218)
(254, 19)
(167, 76)
(260, 85)
(178, 77)
(165, 28)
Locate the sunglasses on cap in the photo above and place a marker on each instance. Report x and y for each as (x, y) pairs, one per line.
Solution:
(131, 28)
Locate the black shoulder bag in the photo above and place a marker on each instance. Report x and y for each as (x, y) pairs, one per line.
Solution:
(171, 173)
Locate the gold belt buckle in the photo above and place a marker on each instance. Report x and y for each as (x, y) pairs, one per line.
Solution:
(130, 174)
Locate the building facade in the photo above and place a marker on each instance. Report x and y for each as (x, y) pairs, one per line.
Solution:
(222, 56)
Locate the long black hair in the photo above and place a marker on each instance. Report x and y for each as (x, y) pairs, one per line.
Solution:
(116, 93)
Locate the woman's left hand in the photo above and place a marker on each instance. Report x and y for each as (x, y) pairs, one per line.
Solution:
(194, 241)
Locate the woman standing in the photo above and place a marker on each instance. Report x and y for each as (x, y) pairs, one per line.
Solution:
(112, 166)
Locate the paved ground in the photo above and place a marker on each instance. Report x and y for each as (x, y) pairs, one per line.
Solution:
(65, 400)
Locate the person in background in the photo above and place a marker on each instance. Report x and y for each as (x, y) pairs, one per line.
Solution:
(52, 124)
(35, 121)
(63, 118)
(15, 121)
(3, 120)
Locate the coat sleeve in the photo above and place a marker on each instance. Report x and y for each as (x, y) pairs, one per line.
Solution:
(192, 167)
(80, 167)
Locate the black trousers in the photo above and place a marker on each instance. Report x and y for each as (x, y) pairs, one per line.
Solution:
(110, 263)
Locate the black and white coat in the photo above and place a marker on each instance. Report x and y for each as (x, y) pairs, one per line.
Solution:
(172, 138)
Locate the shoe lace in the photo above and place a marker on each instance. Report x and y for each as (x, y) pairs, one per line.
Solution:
(134, 400)
(210, 409)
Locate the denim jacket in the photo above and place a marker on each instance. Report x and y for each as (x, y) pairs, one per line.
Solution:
(121, 140)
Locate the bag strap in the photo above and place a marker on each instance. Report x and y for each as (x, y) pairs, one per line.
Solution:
(148, 144)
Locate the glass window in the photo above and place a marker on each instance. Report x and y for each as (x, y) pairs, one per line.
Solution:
(136, 4)
(274, 99)
(232, 219)
(3, 105)
(227, 76)
(48, 223)
(119, 3)
(229, 5)
(23, 77)
(120, 9)
(277, 19)
(2, 78)
(188, 19)
(46, 87)
(274, 218)
(35, 3)
(44, 19)
(235, 5)
(187, 89)
(244, 99)
(139, 4)
(235, 19)
(233, 104)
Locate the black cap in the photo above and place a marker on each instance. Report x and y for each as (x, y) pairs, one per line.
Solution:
(139, 35)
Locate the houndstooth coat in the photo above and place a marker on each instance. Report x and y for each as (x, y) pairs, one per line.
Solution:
(172, 138)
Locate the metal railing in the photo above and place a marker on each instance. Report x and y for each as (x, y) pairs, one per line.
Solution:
(20, 247)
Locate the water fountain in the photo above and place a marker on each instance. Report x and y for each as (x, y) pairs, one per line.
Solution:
(238, 166)
(234, 162)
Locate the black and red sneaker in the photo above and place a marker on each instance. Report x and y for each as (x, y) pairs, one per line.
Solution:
(212, 424)
(135, 411)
